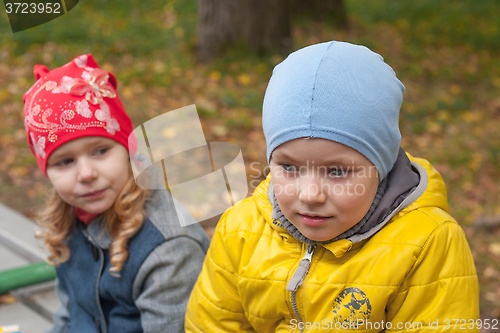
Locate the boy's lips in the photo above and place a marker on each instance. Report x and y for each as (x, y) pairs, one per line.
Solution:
(314, 220)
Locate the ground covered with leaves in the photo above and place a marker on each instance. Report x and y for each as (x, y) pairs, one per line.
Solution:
(445, 53)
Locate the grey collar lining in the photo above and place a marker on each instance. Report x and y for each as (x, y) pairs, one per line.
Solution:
(414, 195)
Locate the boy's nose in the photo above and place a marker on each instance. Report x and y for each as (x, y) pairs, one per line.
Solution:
(311, 190)
(86, 171)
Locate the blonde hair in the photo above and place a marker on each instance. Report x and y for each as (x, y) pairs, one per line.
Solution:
(123, 220)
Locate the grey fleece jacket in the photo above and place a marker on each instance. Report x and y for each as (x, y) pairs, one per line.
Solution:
(152, 293)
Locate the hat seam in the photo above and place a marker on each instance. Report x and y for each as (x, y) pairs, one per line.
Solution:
(314, 88)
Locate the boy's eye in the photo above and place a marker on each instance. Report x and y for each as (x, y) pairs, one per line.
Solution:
(288, 167)
(338, 172)
(101, 151)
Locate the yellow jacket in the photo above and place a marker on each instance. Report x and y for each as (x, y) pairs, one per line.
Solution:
(415, 274)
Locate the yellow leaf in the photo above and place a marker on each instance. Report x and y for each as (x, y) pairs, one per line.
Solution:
(214, 76)
(444, 115)
(19, 171)
(468, 116)
(127, 92)
(410, 107)
(4, 94)
(434, 128)
(170, 18)
(108, 67)
(494, 248)
(7, 299)
(455, 89)
(466, 186)
(496, 82)
(219, 130)
(244, 79)
(159, 66)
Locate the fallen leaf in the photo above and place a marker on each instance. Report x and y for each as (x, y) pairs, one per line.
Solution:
(494, 248)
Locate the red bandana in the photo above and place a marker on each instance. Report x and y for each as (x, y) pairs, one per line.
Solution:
(76, 100)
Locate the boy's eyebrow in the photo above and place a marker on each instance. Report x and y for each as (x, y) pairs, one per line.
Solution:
(284, 155)
(340, 160)
(333, 161)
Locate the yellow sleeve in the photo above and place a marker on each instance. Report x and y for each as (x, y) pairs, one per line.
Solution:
(441, 291)
(214, 305)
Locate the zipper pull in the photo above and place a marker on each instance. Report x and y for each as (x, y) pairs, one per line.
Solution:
(301, 271)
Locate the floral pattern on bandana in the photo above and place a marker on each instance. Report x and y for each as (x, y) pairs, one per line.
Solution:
(82, 107)
(93, 84)
(66, 83)
(81, 61)
(104, 115)
(38, 146)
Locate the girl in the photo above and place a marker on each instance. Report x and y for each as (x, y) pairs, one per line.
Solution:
(123, 262)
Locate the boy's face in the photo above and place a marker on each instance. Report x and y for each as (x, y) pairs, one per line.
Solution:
(323, 187)
(89, 172)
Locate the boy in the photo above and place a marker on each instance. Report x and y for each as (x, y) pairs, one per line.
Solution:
(348, 232)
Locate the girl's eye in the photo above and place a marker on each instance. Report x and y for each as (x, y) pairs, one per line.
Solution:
(338, 172)
(64, 162)
(288, 167)
(101, 151)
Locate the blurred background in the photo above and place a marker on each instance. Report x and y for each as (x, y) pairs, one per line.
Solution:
(172, 53)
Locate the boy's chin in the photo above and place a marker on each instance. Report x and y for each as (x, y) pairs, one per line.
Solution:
(317, 235)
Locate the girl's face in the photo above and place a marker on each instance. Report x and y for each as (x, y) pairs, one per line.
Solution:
(89, 173)
(322, 187)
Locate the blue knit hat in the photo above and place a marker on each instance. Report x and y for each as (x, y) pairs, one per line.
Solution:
(340, 92)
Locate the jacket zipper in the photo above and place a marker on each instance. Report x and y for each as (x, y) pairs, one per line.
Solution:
(101, 256)
(297, 280)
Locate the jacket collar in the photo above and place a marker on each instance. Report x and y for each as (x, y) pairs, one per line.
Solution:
(96, 232)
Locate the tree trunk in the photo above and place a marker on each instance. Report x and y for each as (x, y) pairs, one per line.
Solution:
(266, 25)
(261, 25)
(322, 10)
